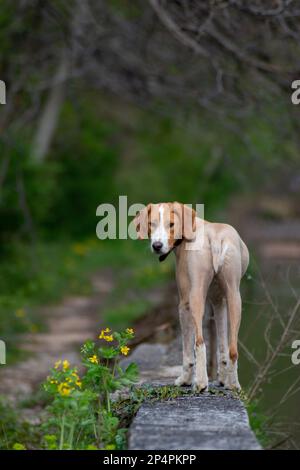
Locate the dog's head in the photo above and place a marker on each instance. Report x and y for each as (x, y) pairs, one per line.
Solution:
(164, 224)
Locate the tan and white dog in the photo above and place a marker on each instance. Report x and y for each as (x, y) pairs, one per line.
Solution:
(211, 259)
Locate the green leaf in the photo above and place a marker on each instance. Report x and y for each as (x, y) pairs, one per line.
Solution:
(108, 353)
(132, 372)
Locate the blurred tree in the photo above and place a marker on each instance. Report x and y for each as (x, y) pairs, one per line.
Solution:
(213, 53)
(230, 58)
(205, 51)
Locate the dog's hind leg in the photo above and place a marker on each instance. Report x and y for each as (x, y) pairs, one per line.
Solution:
(220, 316)
(234, 313)
(187, 332)
(230, 276)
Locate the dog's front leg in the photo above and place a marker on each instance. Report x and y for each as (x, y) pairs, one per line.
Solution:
(188, 356)
(197, 306)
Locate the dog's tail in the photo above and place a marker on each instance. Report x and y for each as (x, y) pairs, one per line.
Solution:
(218, 250)
(220, 247)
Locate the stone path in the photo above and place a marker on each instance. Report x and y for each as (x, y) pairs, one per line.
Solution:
(212, 420)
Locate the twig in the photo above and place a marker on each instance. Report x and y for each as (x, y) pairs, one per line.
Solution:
(268, 363)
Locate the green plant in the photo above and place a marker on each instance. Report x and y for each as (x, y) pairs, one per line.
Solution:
(81, 414)
(259, 423)
(18, 446)
(15, 432)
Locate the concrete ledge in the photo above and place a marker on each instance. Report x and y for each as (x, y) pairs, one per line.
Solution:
(213, 420)
(203, 422)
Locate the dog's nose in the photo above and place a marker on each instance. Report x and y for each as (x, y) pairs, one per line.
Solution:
(157, 246)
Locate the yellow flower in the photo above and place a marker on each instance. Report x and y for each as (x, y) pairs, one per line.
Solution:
(66, 364)
(64, 389)
(109, 338)
(57, 364)
(94, 359)
(20, 313)
(130, 331)
(74, 374)
(53, 381)
(105, 336)
(78, 383)
(125, 350)
(103, 333)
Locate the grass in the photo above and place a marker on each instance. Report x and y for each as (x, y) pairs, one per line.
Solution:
(259, 423)
(13, 430)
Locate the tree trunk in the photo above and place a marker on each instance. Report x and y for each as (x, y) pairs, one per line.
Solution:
(50, 113)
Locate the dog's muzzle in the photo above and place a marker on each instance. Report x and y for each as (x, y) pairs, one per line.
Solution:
(164, 256)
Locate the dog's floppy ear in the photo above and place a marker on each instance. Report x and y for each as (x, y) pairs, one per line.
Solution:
(141, 221)
(187, 216)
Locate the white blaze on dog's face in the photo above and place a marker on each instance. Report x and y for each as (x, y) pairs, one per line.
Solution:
(163, 224)
(160, 228)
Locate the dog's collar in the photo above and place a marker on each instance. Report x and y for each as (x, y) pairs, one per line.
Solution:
(177, 243)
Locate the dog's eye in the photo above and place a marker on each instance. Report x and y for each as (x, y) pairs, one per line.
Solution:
(171, 224)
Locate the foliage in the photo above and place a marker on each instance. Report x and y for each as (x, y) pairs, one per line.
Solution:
(259, 423)
(81, 414)
(14, 432)
(86, 154)
(76, 418)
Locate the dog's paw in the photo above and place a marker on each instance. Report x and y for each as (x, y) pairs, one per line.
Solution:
(232, 380)
(183, 379)
(200, 385)
(233, 385)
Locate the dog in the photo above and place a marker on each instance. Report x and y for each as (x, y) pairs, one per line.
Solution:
(211, 260)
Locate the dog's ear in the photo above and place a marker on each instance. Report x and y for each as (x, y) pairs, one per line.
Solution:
(187, 216)
(141, 222)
